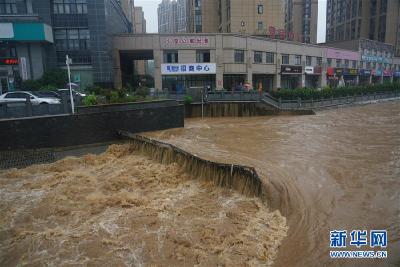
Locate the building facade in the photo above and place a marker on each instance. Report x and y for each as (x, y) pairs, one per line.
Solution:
(167, 17)
(40, 33)
(228, 61)
(374, 19)
(377, 61)
(301, 18)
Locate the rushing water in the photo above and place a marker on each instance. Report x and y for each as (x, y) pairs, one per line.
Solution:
(337, 170)
(123, 209)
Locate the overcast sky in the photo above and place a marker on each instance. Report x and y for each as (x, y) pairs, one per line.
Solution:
(150, 13)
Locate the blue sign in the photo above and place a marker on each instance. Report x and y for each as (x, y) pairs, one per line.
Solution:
(396, 74)
(374, 59)
(195, 68)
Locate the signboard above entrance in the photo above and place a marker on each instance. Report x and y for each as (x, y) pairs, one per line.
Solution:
(188, 69)
(186, 41)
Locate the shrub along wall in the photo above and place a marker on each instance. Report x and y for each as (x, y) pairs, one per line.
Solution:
(308, 94)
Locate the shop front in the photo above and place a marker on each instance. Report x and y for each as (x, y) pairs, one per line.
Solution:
(291, 77)
(396, 76)
(335, 77)
(263, 82)
(376, 76)
(387, 76)
(9, 69)
(178, 78)
(364, 77)
(313, 75)
(350, 76)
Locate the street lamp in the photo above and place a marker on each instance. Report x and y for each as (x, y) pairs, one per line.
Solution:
(68, 61)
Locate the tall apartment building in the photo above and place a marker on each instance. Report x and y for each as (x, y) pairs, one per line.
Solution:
(37, 35)
(373, 19)
(167, 17)
(254, 17)
(301, 18)
(139, 22)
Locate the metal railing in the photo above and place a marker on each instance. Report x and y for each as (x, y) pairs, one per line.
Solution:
(330, 102)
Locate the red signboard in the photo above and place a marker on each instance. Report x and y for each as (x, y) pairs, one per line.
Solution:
(8, 61)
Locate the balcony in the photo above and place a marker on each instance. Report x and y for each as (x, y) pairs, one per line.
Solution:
(19, 18)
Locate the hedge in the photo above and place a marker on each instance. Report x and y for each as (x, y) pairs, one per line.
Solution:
(308, 94)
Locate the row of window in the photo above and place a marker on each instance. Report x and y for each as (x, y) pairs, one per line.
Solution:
(202, 56)
(8, 7)
(72, 39)
(70, 6)
(346, 63)
(259, 57)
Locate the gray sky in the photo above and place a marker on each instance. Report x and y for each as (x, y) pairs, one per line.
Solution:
(150, 13)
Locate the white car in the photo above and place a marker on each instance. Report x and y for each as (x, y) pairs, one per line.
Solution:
(20, 96)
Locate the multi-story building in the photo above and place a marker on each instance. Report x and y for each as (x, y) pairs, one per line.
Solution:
(139, 22)
(38, 34)
(374, 19)
(128, 6)
(301, 18)
(228, 61)
(252, 17)
(167, 17)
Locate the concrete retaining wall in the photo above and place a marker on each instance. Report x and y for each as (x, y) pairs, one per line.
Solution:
(72, 130)
(238, 109)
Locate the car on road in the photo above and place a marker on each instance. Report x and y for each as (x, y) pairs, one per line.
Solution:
(21, 96)
(49, 94)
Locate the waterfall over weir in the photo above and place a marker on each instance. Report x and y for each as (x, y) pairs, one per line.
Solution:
(242, 179)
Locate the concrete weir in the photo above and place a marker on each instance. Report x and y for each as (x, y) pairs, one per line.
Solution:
(242, 179)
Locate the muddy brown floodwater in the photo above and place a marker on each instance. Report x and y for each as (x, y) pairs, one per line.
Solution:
(338, 170)
(122, 209)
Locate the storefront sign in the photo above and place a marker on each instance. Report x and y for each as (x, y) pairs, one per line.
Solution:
(339, 71)
(6, 30)
(341, 54)
(363, 72)
(291, 69)
(387, 73)
(309, 70)
(348, 71)
(189, 41)
(377, 72)
(330, 71)
(396, 74)
(374, 59)
(195, 68)
(8, 61)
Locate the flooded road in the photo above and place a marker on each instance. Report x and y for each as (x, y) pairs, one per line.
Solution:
(338, 170)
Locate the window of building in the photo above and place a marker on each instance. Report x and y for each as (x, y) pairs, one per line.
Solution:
(346, 63)
(354, 64)
(338, 62)
(260, 25)
(329, 62)
(203, 56)
(70, 6)
(368, 65)
(319, 61)
(258, 55)
(8, 7)
(297, 60)
(239, 56)
(260, 9)
(170, 56)
(285, 59)
(72, 39)
(270, 58)
(308, 60)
